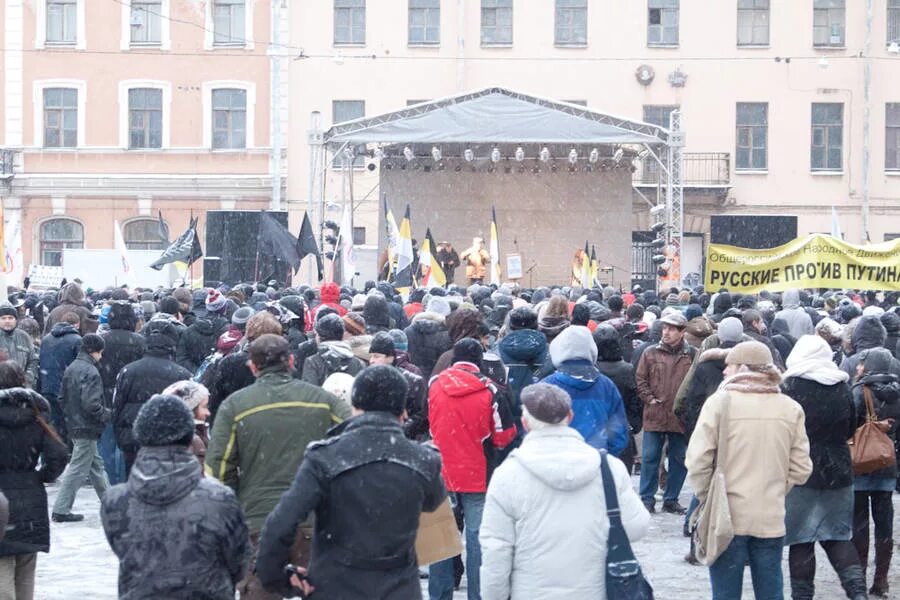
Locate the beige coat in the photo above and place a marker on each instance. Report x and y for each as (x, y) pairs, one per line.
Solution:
(767, 454)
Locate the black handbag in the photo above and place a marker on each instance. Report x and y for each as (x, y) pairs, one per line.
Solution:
(624, 578)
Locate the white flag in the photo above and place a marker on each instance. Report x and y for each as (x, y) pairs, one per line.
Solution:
(835, 225)
(345, 247)
(123, 254)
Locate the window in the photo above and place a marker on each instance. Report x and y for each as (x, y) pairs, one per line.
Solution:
(658, 114)
(662, 23)
(61, 21)
(349, 22)
(359, 236)
(228, 22)
(425, 21)
(828, 23)
(496, 22)
(893, 21)
(143, 234)
(892, 137)
(753, 23)
(145, 118)
(56, 235)
(146, 22)
(229, 119)
(571, 23)
(827, 136)
(60, 118)
(751, 152)
(347, 110)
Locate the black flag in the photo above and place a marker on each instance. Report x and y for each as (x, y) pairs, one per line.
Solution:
(185, 249)
(275, 240)
(306, 244)
(163, 229)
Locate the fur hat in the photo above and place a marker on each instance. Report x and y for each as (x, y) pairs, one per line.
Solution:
(330, 328)
(92, 343)
(547, 403)
(215, 301)
(164, 421)
(380, 389)
(468, 350)
(382, 343)
(439, 305)
(523, 318)
(573, 343)
(241, 316)
(749, 353)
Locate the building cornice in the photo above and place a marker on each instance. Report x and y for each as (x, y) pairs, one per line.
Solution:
(124, 185)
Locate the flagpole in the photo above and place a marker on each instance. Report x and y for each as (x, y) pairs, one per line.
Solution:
(191, 266)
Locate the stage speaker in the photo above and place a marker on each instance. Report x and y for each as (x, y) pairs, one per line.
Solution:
(752, 231)
(232, 249)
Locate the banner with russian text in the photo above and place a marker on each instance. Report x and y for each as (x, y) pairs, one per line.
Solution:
(816, 261)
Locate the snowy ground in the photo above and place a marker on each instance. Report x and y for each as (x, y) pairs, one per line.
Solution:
(81, 565)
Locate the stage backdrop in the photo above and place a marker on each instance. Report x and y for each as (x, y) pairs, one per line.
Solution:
(545, 217)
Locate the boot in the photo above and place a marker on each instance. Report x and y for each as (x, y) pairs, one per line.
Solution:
(883, 551)
(854, 582)
(862, 550)
(802, 589)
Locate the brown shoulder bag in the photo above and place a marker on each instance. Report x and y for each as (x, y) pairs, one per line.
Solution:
(871, 449)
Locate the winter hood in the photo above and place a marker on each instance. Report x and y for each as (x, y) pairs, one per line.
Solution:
(428, 322)
(17, 407)
(163, 475)
(335, 350)
(869, 333)
(60, 329)
(460, 380)
(330, 293)
(559, 457)
(523, 345)
(71, 293)
(790, 299)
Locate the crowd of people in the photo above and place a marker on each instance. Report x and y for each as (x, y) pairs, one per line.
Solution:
(232, 432)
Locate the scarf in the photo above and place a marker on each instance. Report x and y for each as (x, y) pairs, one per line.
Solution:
(812, 358)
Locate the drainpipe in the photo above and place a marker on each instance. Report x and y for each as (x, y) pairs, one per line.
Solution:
(867, 109)
(275, 104)
(460, 44)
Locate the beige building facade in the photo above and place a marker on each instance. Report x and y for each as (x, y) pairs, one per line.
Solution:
(789, 108)
(122, 110)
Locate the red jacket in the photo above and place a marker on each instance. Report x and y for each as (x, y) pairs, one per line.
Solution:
(412, 309)
(463, 413)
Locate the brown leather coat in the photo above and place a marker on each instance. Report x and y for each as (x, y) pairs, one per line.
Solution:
(659, 373)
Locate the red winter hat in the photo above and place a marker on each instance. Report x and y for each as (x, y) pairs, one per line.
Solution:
(215, 301)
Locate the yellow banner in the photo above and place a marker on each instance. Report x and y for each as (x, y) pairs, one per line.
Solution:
(816, 261)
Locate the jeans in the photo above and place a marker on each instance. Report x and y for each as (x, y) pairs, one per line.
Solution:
(764, 555)
(440, 574)
(652, 452)
(112, 456)
(85, 459)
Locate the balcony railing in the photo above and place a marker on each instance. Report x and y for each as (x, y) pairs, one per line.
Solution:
(7, 163)
(700, 169)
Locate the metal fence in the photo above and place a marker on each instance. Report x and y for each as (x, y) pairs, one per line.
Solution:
(699, 169)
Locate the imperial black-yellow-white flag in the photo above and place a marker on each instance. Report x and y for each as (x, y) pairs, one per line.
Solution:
(495, 249)
(404, 275)
(432, 273)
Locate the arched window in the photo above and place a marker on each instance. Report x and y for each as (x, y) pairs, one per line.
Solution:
(57, 234)
(143, 234)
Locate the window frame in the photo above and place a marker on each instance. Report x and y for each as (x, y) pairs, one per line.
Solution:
(40, 31)
(754, 12)
(72, 243)
(250, 88)
(892, 20)
(426, 11)
(246, 43)
(165, 38)
(561, 12)
(230, 111)
(125, 111)
(817, 10)
(753, 130)
(350, 10)
(496, 10)
(827, 146)
(337, 162)
(663, 7)
(153, 243)
(38, 112)
(892, 131)
(65, 106)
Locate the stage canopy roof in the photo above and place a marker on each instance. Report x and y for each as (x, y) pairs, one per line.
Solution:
(494, 116)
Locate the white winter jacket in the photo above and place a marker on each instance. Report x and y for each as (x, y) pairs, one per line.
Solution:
(544, 530)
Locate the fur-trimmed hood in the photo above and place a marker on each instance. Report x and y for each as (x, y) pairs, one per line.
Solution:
(753, 382)
(714, 354)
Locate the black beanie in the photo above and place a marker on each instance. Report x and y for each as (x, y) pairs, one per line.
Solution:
(523, 317)
(330, 328)
(164, 421)
(382, 343)
(468, 350)
(380, 389)
(92, 343)
(8, 310)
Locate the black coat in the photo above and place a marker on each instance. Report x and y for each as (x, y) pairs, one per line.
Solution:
(301, 352)
(427, 338)
(136, 383)
(886, 401)
(225, 377)
(869, 333)
(121, 347)
(22, 442)
(176, 533)
(199, 341)
(367, 487)
(416, 425)
(58, 349)
(707, 377)
(331, 357)
(82, 399)
(622, 374)
(830, 422)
